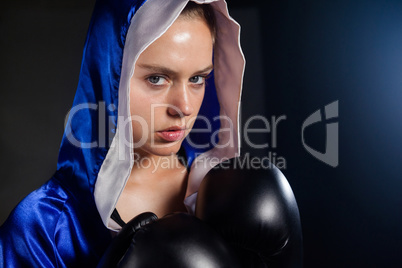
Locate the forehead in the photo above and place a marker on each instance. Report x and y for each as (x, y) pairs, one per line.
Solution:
(186, 41)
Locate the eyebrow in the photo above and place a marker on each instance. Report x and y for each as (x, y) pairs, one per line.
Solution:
(165, 70)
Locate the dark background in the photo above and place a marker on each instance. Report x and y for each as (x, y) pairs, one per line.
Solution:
(301, 56)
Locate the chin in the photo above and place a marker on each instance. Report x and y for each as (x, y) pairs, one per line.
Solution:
(168, 150)
(163, 149)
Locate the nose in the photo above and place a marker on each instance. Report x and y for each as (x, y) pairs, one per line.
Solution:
(180, 102)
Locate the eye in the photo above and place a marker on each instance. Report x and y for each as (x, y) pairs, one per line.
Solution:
(156, 80)
(199, 80)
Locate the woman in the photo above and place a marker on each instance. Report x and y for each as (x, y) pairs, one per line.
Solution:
(149, 70)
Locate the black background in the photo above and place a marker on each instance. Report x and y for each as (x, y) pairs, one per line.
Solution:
(309, 54)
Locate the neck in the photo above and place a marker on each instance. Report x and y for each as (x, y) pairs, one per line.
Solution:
(147, 166)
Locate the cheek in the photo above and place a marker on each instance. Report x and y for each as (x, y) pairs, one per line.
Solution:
(146, 110)
(140, 114)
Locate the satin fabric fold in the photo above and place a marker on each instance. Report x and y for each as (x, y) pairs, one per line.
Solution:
(50, 228)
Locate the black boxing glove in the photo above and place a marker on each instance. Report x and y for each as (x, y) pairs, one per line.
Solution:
(176, 240)
(255, 211)
(118, 248)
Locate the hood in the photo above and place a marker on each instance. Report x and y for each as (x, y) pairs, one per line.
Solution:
(95, 157)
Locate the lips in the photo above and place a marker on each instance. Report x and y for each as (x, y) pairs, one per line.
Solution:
(171, 134)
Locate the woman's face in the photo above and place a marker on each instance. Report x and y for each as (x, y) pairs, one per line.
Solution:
(168, 86)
